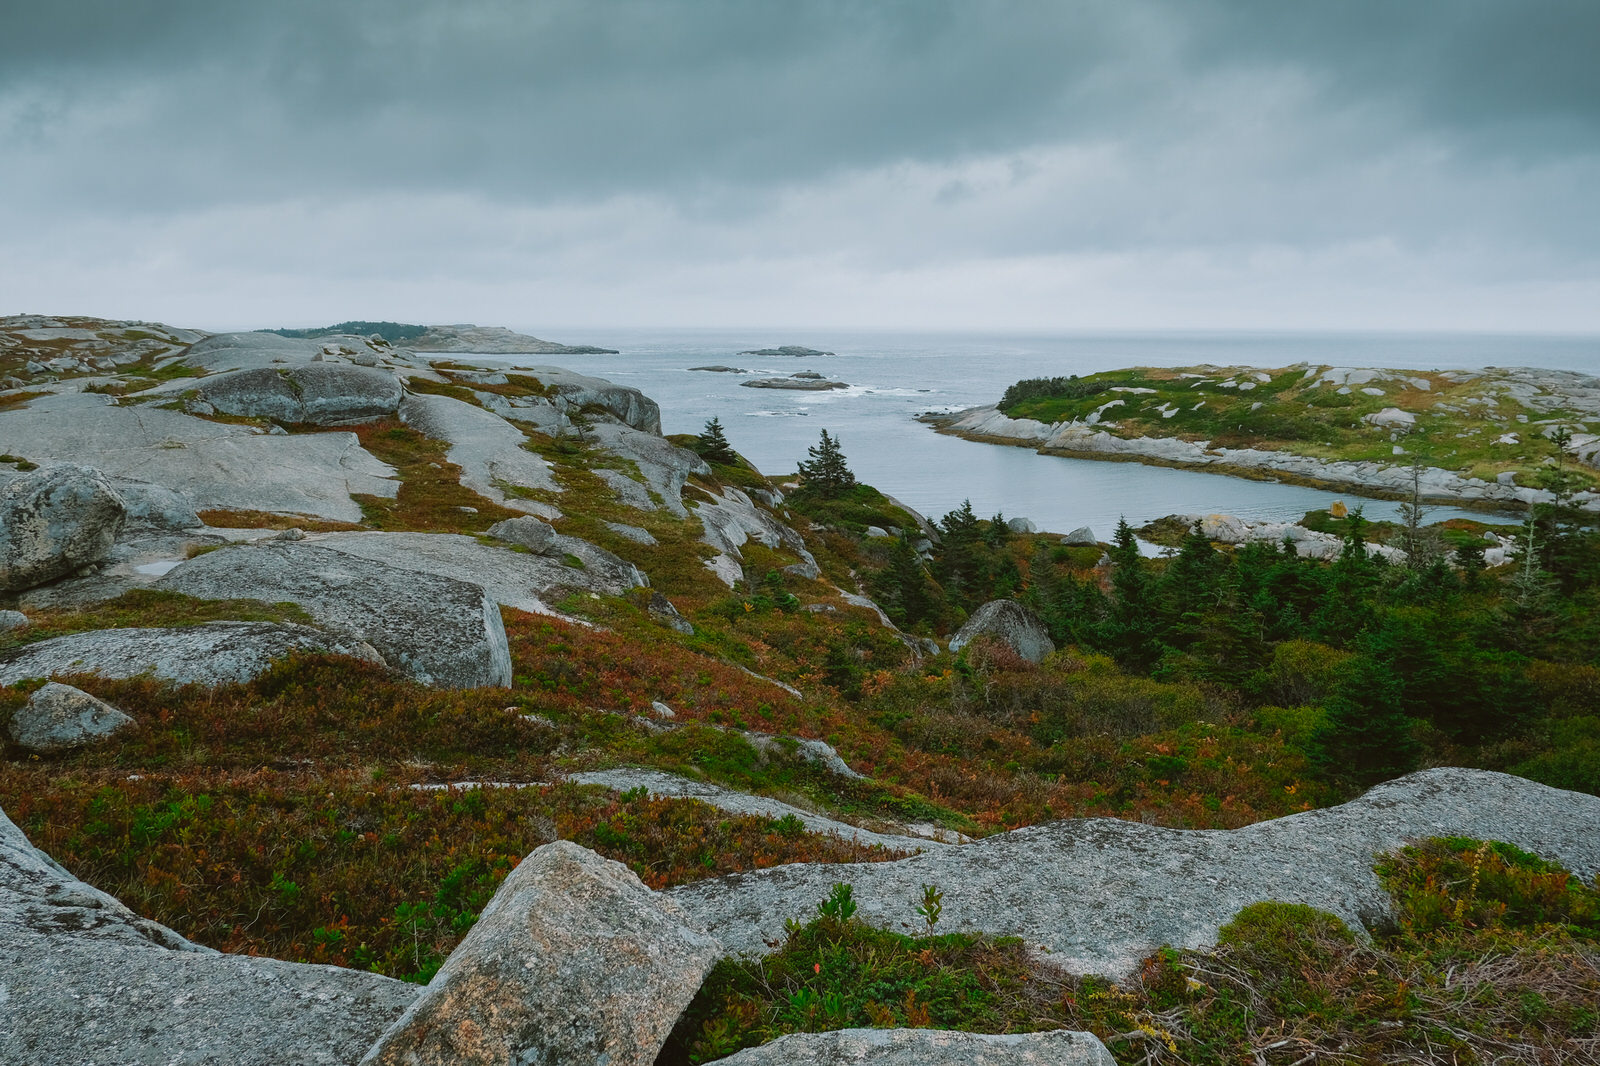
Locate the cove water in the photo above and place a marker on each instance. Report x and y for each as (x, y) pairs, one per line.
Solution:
(893, 377)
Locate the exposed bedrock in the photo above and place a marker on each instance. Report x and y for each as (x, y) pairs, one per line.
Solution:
(1099, 895)
(440, 630)
(210, 654)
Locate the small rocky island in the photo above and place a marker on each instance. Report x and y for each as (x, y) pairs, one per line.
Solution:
(805, 381)
(1493, 437)
(789, 351)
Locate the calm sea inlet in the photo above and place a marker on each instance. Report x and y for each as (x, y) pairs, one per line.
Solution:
(895, 376)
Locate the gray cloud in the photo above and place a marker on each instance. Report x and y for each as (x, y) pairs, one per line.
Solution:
(609, 145)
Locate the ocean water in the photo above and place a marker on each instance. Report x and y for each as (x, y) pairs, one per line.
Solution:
(895, 376)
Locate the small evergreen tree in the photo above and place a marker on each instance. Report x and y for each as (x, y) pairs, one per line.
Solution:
(1367, 736)
(826, 473)
(712, 444)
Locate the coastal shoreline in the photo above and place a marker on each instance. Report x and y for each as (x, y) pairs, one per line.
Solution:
(986, 424)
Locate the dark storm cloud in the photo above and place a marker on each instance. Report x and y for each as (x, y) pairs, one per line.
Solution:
(1461, 134)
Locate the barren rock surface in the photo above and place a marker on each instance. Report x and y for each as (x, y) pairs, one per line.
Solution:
(1099, 895)
(210, 654)
(661, 783)
(573, 961)
(440, 630)
(927, 1047)
(214, 465)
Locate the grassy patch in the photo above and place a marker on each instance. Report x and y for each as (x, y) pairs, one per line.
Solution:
(431, 496)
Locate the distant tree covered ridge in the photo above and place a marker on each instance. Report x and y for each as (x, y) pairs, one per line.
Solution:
(393, 332)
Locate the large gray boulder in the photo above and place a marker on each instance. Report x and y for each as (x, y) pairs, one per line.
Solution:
(573, 961)
(211, 654)
(1100, 895)
(54, 521)
(323, 394)
(1083, 536)
(439, 630)
(60, 718)
(525, 531)
(85, 980)
(1010, 623)
(927, 1047)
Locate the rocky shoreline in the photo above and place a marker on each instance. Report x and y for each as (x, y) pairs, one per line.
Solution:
(1083, 440)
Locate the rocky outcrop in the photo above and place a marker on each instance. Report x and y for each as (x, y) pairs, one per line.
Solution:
(1308, 543)
(319, 393)
(489, 450)
(927, 1047)
(210, 654)
(154, 507)
(793, 351)
(60, 718)
(214, 465)
(525, 532)
(439, 630)
(1090, 440)
(513, 579)
(55, 521)
(1100, 894)
(1083, 536)
(85, 980)
(1010, 623)
(661, 783)
(224, 352)
(795, 384)
(574, 960)
(494, 340)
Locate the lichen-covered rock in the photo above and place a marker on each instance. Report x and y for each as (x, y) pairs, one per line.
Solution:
(663, 611)
(60, 718)
(152, 507)
(323, 394)
(12, 620)
(85, 980)
(526, 531)
(488, 449)
(1022, 525)
(1010, 623)
(927, 1047)
(54, 521)
(215, 465)
(573, 961)
(1083, 536)
(210, 654)
(437, 629)
(1100, 894)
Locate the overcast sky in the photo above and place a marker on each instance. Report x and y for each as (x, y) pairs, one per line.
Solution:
(1393, 164)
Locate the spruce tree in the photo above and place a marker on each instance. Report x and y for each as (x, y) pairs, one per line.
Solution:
(826, 473)
(712, 444)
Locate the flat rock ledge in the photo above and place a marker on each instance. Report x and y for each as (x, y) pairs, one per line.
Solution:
(210, 654)
(661, 783)
(573, 961)
(927, 1047)
(1099, 895)
(84, 980)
